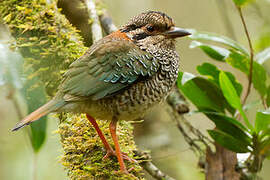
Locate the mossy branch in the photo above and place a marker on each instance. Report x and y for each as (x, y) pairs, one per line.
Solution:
(44, 37)
(84, 152)
(49, 43)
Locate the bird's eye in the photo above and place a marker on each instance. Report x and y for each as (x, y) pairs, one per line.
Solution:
(150, 28)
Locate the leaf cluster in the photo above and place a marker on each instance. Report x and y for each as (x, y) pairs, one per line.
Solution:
(217, 94)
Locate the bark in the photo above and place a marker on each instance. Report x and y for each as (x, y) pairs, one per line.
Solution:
(221, 165)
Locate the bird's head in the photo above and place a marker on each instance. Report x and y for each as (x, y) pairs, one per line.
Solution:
(152, 27)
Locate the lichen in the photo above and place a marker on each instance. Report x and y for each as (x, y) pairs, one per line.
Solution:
(49, 44)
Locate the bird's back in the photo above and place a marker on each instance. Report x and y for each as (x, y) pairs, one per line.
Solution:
(135, 100)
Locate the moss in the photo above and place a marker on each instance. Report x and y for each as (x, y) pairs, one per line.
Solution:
(44, 37)
(49, 43)
(84, 152)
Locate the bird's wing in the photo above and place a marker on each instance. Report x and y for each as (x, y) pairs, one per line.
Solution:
(109, 66)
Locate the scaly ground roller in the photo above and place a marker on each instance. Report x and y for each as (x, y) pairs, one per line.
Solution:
(120, 77)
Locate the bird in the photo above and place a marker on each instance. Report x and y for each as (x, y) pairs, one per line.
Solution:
(120, 77)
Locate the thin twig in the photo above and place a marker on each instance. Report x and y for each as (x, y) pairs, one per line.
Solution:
(154, 171)
(107, 23)
(178, 108)
(202, 138)
(251, 55)
(199, 137)
(96, 28)
(191, 142)
(177, 102)
(151, 168)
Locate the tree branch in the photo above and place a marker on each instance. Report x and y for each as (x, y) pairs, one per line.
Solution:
(179, 107)
(148, 166)
(221, 164)
(107, 23)
(177, 101)
(96, 28)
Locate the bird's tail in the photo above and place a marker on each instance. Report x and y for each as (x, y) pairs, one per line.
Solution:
(51, 106)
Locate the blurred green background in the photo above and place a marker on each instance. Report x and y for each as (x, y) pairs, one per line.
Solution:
(158, 133)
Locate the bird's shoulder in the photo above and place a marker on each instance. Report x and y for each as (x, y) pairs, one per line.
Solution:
(113, 43)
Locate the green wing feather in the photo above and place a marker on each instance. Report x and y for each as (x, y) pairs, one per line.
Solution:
(109, 66)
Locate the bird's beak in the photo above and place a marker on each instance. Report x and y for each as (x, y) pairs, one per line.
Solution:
(176, 32)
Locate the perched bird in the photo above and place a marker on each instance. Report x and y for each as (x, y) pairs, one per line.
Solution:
(120, 76)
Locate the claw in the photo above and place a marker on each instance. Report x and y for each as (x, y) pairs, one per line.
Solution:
(124, 156)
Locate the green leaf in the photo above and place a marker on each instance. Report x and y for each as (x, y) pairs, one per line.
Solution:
(263, 56)
(215, 52)
(224, 117)
(38, 133)
(185, 77)
(35, 96)
(232, 97)
(229, 91)
(209, 70)
(238, 87)
(262, 121)
(259, 75)
(230, 126)
(203, 93)
(265, 133)
(228, 141)
(240, 2)
(212, 72)
(219, 39)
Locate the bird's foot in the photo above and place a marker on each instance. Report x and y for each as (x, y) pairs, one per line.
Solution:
(124, 156)
(127, 172)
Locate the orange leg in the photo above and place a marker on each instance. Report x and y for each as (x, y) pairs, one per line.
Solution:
(100, 134)
(117, 147)
(109, 149)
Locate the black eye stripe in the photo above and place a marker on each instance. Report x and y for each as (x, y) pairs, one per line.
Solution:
(140, 36)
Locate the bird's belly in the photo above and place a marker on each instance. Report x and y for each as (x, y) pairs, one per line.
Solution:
(137, 101)
(132, 103)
